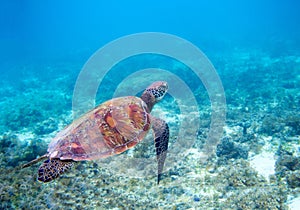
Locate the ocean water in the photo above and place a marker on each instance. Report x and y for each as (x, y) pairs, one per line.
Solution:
(233, 71)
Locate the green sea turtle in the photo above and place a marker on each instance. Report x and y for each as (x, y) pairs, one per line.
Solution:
(109, 129)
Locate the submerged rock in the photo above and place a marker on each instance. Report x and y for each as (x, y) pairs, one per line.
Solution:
(229, 149)
(293, 179)
(288, 167)
(287, 162)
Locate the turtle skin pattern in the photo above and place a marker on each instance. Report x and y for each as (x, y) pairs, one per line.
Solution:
(51, 169)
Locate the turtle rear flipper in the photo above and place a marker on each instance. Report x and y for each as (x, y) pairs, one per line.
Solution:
(34, 161)
(52, 168)
(161, 140)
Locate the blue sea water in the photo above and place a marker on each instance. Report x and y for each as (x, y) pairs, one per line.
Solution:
(254, 47)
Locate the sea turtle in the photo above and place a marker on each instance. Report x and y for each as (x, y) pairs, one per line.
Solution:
(109, 129)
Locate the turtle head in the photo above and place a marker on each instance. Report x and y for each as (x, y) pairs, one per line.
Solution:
(154, 93)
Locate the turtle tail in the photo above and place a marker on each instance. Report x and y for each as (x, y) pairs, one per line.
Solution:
(53, 168)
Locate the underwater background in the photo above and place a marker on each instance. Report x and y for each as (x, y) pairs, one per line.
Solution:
(255, 49)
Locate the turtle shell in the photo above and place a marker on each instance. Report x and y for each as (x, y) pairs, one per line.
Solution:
(109, 129)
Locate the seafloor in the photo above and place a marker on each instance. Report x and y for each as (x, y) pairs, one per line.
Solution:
(256, 164)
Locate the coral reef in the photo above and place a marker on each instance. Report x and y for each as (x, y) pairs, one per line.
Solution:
(229, 149)
(262, 118)
(15, 151)
(288, 168)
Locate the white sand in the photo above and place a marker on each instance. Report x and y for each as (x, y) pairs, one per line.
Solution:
(264, 163)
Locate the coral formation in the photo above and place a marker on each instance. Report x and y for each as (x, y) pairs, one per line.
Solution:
(262, 116)
(229, 149)
(288, 168)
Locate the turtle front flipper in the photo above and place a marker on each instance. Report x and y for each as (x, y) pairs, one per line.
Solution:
(52, 168)
(161, 140)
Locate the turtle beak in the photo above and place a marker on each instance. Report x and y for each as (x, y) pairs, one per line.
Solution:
(165, 86)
